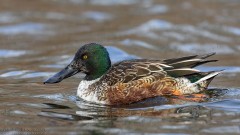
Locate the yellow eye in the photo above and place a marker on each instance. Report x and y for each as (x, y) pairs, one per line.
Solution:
(84, 57)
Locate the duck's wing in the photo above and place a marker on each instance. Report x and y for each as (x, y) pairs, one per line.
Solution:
(189, 61)
(130, 70)
(185, 65)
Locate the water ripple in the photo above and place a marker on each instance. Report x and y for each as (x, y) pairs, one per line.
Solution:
(14, 73)
(25, 74)
(223, 130)
(233, 30)
(113, 2)
(202, 48)
(8, 17)
(11, 53)
(97, 16)
(22, 28)
(227, 105)
(57, 97)
(157, 9)
(36, 74)
(131, 42)
(181, 31)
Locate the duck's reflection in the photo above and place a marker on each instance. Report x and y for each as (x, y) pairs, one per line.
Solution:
(161, 107)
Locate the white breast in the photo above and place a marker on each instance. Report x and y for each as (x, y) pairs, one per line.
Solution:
(84, 93)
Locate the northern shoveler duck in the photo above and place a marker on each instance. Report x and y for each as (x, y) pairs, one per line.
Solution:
(134, 80)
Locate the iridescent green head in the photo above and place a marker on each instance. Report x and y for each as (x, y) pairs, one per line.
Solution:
(91, 59)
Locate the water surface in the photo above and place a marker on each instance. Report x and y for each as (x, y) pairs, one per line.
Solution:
(38, 38)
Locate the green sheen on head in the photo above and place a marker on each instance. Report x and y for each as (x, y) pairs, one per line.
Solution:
(93, 59)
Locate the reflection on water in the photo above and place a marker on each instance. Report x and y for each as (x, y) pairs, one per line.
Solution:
(38, 38)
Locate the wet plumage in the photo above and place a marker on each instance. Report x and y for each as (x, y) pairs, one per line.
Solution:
(134, 80)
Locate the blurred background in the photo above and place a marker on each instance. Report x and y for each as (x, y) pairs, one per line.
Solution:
(38, 38)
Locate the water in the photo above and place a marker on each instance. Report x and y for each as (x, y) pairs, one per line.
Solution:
(39, 38)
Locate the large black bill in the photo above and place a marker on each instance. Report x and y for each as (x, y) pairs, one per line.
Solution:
(65, 73)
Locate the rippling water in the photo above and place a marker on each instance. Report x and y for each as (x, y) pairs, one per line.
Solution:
(38, 38)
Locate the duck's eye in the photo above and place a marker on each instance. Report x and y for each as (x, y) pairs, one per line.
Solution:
(84, 57)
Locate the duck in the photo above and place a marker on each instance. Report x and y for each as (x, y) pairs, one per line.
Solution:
(134, 80)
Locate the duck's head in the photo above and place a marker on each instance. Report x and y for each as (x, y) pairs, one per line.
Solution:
(91, 59)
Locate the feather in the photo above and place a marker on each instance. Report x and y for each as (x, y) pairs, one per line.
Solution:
(190, 63)
(208, 76)
(181, 72)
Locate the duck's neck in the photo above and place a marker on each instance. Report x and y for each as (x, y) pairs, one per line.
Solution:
(95, 74)
(98, 66)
